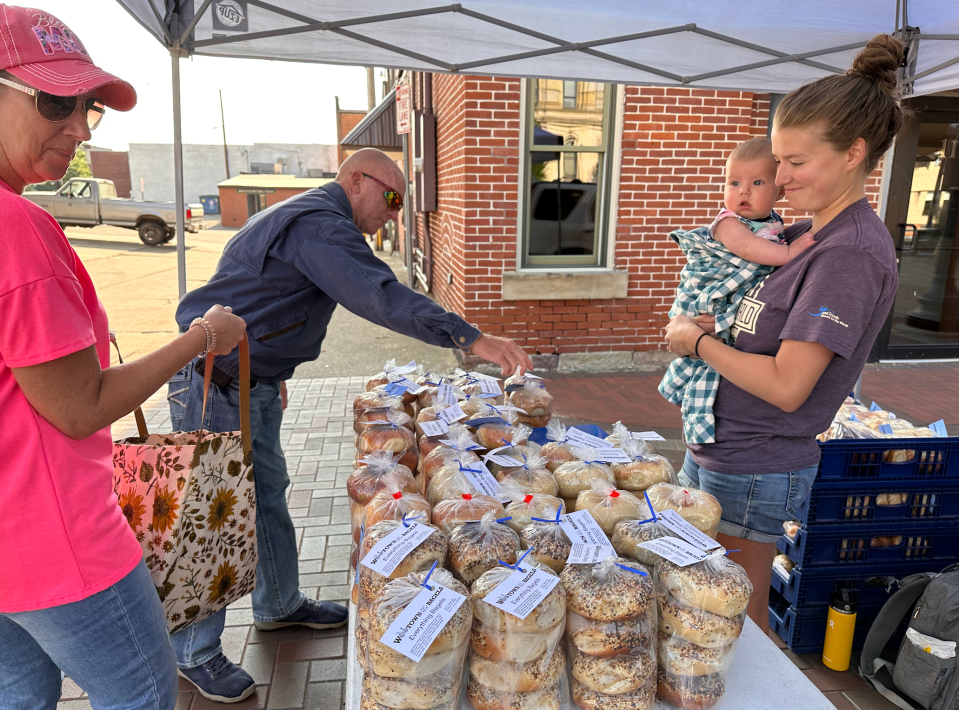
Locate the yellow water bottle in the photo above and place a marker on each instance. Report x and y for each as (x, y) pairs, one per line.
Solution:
(840, 625)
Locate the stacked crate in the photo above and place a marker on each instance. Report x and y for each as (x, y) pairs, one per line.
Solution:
(867, 523)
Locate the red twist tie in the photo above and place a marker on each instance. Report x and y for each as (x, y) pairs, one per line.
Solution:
(397, 495)
(528, 498)
(467, 496)
(614, 494)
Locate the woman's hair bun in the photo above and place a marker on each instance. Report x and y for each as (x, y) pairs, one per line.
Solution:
(878, 62)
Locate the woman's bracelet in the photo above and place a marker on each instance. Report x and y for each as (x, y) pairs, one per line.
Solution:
(210, 334)
(696, 349)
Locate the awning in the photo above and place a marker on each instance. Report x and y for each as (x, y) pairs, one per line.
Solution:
(742, 45)
(377, 129)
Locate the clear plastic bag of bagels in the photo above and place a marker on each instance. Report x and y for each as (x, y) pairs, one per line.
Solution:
(629, 535)
(609, 505)
(462, 446)
(557, 450)
(451, 481)
(611, 631)
(372, 474)
(545, 539)
(390, 503)
(698, 508)
(535, 401)
(702, 610)
(394, 680)
(478, 546)
(576, 476)
(387, 375)
(513, 662)
(523, 507)
(370, 583)
(451, 513)
(392, 435)
(645, 470)
(532, 476)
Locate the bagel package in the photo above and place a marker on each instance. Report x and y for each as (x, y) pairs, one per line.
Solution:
(493, 431)
(391, 435)
(510, 456)
(608, 505)
(517, 660)
(645, 470)
(370, 477)
(629, 535)
(459, 443)
(451, 481)
(478, 545)
(546, 541)
(558, 450)
(697, 507)
(576, 476)
(453, 512)
(373, 406)
(535, 402)
(531, 477)
(702, 607)
(418, 641)
(523, 506)
(611, 624)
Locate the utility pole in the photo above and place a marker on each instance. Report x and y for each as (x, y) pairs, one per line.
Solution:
(226, 154)
(370, 88)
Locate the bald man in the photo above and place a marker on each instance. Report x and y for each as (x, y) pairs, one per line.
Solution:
(284, 273)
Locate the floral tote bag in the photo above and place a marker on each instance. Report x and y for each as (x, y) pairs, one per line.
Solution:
(190, 499)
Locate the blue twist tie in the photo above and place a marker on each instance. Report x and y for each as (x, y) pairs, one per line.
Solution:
(518, 562)
(503, 520)
(405, 524)
(630, 569)
(428, 574)
(650, 504)
(558, 514)
(467, 468)
(728, 551)
(648, 520)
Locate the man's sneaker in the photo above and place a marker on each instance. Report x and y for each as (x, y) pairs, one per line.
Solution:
(220, 680)
(314, 614)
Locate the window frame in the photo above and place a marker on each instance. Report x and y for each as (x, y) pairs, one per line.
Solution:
(607, 184)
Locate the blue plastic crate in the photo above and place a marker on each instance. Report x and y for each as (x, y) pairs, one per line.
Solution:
(866, 502)
(851, 545)
(813, 587)
(851, 460)
(804, 631)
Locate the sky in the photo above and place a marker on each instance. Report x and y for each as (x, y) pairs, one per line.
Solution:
(264, 102)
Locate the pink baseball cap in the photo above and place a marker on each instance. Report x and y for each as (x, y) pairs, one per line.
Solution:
(43, 52)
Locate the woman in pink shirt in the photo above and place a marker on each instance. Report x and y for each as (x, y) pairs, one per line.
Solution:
(75, 594)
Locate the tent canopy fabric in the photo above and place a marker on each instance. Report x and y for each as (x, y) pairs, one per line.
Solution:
(745, 45)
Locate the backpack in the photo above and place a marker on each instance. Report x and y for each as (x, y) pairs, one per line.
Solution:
(931, 681)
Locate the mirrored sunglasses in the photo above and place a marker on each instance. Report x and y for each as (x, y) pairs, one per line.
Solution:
(393, 198)
(55, 108)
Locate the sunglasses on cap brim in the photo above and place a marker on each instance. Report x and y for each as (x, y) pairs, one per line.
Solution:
(55, 108)
(393, 198)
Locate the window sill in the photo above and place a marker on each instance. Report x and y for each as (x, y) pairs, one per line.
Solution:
(565, 285)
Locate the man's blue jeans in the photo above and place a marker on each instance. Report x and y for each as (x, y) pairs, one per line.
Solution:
(277, 593)
(114, 644)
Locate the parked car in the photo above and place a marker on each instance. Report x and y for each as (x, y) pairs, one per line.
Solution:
(562, 218)
(85, 202)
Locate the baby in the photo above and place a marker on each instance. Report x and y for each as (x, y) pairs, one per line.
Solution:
(724, 261)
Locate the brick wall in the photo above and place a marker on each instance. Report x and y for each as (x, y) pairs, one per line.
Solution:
(113, 165)
(233, 205)
(674, 147)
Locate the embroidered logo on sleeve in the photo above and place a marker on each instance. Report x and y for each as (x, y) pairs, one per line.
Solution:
(828, 315)
(749, 311)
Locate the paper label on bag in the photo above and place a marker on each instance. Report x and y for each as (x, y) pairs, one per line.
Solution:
(611, 455)
(482, 479)
(676, 550)
(581, 438)
(480, 376)
(452, 445)
(648, 436)
(445, 394)
(398, 387)
(405, 369)
(436, 428)
(451, 414)
(939, 428)
(386, 555)
(581, 554)
(490, 387)
(504, 461)
(423, 619)
(580, 527)
(679, 525)
(522, 591)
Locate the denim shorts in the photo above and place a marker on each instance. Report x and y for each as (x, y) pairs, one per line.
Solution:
(754, 507)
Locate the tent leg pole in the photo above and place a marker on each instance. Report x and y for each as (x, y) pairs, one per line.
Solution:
(178, 177)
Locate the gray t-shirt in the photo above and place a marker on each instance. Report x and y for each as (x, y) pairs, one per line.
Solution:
(837, 293)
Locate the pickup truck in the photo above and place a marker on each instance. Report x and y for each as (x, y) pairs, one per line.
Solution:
(85, 202)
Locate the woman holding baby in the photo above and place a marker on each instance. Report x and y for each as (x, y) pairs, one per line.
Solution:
(803, 334)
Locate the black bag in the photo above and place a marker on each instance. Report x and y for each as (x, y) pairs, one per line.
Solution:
(930, 680)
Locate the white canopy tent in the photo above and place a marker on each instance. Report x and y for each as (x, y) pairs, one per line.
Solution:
(744, 45)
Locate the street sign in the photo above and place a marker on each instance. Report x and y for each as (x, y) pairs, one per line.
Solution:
(403, 108)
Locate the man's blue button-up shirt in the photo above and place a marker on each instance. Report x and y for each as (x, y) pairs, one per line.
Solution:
(288, 267)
